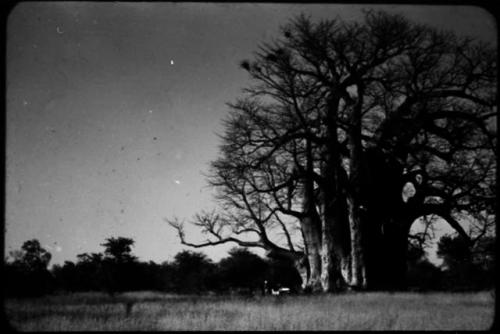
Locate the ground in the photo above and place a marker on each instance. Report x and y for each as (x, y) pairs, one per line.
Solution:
(157, 311)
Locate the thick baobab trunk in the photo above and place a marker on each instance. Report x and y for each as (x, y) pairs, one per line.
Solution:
(389, 218)
(375, 257)
(396, 248)
(311, 227)
(358, 270)
(330, 266)
(355, 205)
(302, 268)
(313, 248)
(310, 268)
(398, 228)
(377, 194)
(386, 259)
(334, 227)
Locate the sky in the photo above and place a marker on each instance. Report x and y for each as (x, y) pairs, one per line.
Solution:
(112, 111)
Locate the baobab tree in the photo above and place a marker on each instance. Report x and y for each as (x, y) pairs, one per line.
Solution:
(350, 133)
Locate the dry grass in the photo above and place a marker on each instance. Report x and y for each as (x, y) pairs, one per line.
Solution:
(156, 311)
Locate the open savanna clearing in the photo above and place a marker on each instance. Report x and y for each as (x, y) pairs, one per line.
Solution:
(157, 311)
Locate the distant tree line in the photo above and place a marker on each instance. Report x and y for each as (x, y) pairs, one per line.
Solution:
(116, 270)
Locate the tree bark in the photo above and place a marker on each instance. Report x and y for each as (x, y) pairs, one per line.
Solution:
(335, 230)
(313, 248)
(396, 248)
(311, 227)
(355, 203)
(385, 243)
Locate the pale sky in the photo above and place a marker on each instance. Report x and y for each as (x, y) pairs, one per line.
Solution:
(113, 110)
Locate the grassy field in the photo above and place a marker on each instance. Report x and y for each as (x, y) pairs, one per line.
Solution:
(156, 311)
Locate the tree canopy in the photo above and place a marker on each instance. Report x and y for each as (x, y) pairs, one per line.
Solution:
(119, 249)
(467, 266)
(26, 273)
(350, 132)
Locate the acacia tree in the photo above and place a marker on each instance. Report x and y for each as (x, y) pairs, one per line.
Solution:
(119, 249)
(350, 133)
(118, 264)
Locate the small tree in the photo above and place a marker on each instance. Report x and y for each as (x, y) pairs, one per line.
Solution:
(27, 273)
(484, 255)
(194, 272)
(282, 272)
(468, 265)
(455, 251)
(34, 256)
(66, 276)
(119, 265)
(88, 271)
(243, 269)
(119, 249)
